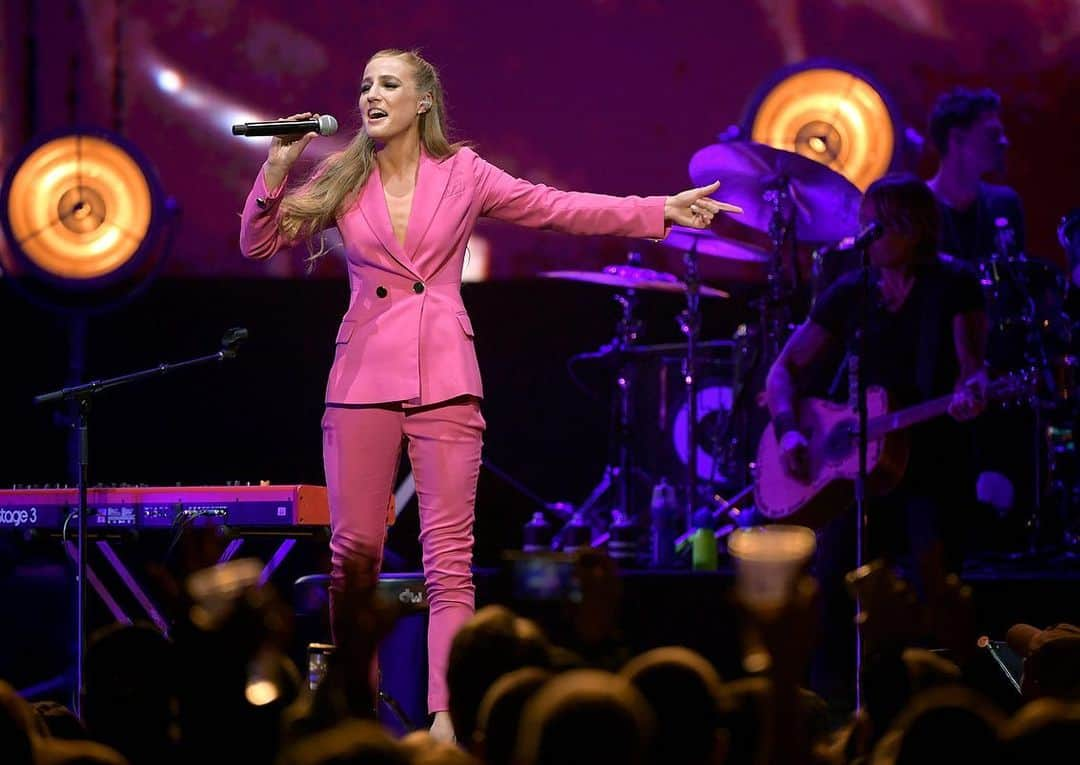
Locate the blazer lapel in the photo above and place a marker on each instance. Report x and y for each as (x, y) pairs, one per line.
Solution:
(431, 180)
(377, 214)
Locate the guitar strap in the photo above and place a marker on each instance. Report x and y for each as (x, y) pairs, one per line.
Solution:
(933, 303)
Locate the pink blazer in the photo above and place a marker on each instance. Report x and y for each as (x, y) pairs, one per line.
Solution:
(406, 335)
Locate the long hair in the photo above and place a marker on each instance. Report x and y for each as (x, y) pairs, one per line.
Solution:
(336, 180)
(903, 202)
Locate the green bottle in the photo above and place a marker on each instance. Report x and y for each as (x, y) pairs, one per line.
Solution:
(703, 542)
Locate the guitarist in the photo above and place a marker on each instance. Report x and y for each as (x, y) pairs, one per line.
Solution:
(925, 338)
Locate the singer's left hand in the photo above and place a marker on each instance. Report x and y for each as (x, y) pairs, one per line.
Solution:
(693, 207)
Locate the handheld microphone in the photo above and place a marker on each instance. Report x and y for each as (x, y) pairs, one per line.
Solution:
(324, 125)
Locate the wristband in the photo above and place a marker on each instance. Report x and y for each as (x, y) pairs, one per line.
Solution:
(784, 422)
(793, 439)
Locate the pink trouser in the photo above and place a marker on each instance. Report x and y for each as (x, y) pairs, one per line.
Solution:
(361, 452)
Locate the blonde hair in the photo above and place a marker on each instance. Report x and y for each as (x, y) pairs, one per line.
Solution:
(336, 180)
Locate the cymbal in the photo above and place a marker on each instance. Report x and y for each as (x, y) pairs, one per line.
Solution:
(825, 204)
(706, 242)
(632, 277)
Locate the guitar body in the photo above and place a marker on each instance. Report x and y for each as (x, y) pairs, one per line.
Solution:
(834, 463)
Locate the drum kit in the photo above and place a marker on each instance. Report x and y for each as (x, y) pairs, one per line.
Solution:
(780, 251)
(790, 205)
(1030, 331)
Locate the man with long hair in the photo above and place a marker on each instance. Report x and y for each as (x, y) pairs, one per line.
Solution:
(924, 338)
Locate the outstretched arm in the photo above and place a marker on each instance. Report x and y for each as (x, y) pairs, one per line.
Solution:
(514, 200)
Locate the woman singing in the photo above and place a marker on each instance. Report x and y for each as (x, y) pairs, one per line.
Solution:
(405, 201)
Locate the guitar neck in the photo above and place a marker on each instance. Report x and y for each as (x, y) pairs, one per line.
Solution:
(1002, 388)
(905, 418)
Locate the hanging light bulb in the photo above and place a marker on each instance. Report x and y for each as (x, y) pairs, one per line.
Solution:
(830, 114)
(82, 213)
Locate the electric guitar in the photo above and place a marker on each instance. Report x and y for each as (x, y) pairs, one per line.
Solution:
(833, 455)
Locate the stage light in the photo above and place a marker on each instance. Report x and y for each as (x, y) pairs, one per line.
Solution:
(169, 81)
(81, 212)
(205, 101)
(829, 113)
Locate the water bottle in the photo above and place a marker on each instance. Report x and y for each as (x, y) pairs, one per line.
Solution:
(664, 513)
(623, 540)
(536, 536)
(703, 542)
(577, 534)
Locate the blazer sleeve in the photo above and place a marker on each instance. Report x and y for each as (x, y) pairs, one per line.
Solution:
(259, 237)
(514, 200)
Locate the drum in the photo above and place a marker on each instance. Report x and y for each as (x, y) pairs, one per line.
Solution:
(662, 416)
(1025, 303)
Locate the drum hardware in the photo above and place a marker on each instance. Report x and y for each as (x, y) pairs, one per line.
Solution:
(824, 205)
(1068, 232)
(1025, 300)
(728, 516)
(794, 200)
(619, 473)
(692, 243)
(633, 277)
(624, 355)
(617, 476)
(690, 325)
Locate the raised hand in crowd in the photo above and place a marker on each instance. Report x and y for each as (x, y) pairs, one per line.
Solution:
(780, 642)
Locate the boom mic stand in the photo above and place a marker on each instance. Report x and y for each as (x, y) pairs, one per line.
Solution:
(82, 395)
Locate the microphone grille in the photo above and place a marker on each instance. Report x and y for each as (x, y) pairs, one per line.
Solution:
(327, 125)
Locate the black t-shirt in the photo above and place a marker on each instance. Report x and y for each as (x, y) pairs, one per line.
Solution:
(896, 342)
(971, 234)
(900, 344)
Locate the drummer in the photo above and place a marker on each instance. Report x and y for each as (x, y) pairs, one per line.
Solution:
(979, 221)
(966, 129)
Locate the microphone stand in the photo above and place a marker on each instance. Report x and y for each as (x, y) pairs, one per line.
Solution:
(857, 381)
(690, 325)
(81, 396)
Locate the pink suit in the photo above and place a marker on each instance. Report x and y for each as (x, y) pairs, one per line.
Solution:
(405, 365)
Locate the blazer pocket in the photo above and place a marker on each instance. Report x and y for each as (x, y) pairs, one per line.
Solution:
(345, 332)
(466, 324)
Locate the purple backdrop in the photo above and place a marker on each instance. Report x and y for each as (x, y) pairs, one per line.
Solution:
(607, 95)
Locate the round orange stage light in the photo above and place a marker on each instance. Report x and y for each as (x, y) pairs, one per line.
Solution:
(79, 208)
(831, 115)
